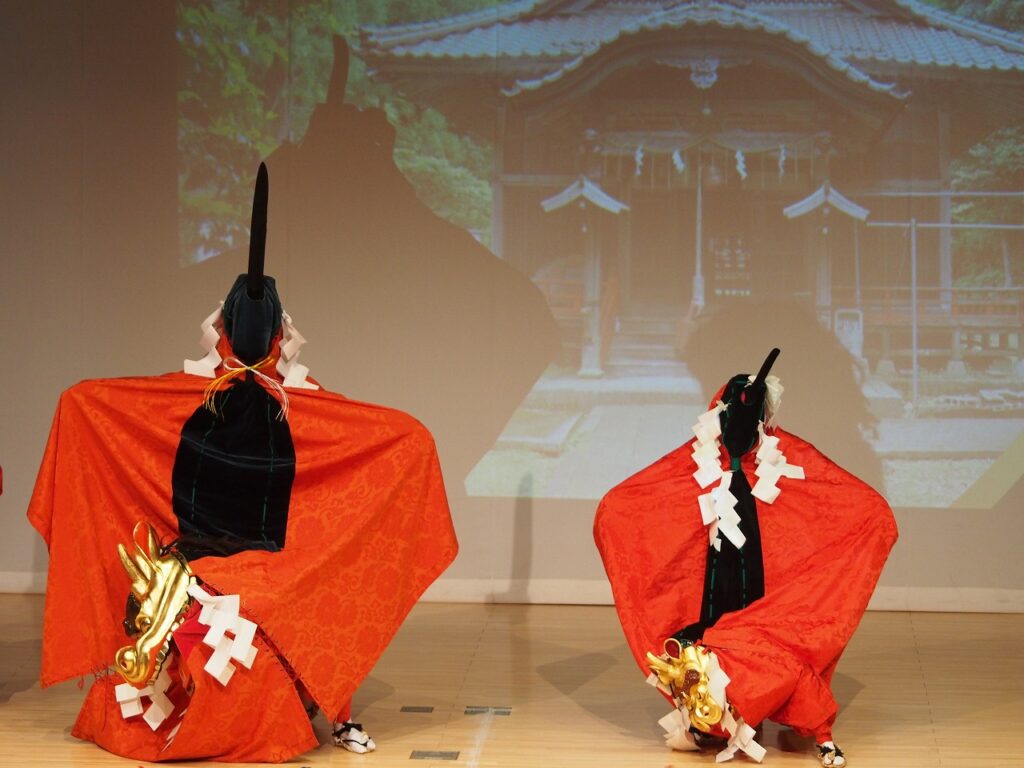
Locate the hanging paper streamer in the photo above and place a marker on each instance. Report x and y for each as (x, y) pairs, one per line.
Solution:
(206, 366)
(130, 699)
(741, 740)
(772, 465)
(638, 159)
(678, 162)
(220, 614)
(782, 161)
(288, 365)
(718, 506)
(741, 164)
(706, 448)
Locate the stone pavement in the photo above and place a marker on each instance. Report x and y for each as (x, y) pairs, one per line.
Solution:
(576, 438)
(942, 438)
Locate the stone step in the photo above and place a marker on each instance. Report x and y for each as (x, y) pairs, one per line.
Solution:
(639, 352)
(665, 383)
(666, 340)
(648, 324)
(642, 369)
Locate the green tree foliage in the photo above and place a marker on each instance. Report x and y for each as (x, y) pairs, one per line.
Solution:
(1005, 14)
(230, 58)
(252, 71)
(995, 164)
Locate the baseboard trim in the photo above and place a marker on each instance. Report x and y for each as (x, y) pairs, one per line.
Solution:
(23, 582)
(948, 599)
(598, 592)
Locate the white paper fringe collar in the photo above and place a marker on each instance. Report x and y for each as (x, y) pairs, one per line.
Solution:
(677, 722)
(718, 506)
(293, 372)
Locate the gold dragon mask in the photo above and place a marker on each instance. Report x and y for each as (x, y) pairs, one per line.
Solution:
(686, 676)
(159, 590)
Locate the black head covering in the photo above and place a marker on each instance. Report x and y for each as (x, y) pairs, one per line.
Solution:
(745, 408)
(251, 324)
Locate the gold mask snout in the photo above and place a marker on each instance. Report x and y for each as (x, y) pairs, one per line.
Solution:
(686, 676)
(159, 582)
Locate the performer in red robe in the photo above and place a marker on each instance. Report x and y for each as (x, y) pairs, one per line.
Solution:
(765, 646)
(274, 538)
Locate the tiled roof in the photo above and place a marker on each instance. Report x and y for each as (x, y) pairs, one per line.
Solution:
(550, 37)
(898, 31)
(884, 40)
(398, 34)
(704, 14)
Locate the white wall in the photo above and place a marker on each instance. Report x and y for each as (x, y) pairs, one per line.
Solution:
(90, 286)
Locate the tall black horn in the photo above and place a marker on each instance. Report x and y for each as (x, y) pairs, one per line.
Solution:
(767, 365)
(258, 235)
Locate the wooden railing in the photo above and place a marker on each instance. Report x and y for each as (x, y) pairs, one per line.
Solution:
(944, 307)
(952, 323)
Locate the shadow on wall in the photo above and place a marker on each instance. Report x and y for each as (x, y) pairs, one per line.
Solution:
(822, 403)
(522, 546)
(401, 307)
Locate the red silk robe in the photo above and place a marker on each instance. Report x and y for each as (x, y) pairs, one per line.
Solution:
(825, 540)
(368, 530)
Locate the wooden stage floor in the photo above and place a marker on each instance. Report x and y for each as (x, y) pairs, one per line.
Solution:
(914, 689)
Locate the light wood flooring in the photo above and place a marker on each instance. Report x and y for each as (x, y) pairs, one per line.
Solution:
(915, 689)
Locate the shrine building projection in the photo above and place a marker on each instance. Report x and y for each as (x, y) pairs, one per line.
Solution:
(657, 157)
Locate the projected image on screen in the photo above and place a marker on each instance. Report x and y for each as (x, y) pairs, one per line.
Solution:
(688, 185)
(250, 76)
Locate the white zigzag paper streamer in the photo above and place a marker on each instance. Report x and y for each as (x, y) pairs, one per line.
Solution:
(206, 366)
(288, 365)
(220, 614)
(718, 506)
(771, 465)
(130, 699)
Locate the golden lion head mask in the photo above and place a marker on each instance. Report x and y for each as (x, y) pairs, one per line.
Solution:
(159, 585)
(686, 675)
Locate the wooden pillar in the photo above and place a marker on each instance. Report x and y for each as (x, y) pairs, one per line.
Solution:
(856, 264)
(823, 272)
(590, 347)
(945, 213)
(498, 211)
(626, 247)
(698, 254)
(510, 153)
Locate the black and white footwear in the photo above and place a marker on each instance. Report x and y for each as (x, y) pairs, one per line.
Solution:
(707, 740)
(352, 737)
(830, 755)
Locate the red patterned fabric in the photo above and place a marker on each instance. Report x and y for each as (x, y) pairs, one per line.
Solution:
(825, 541)
(257, 717)
(368, 530)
